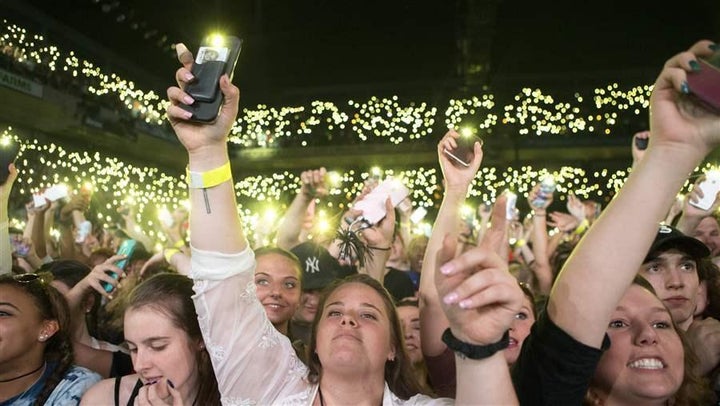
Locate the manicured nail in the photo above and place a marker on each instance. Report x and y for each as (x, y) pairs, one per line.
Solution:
(465, 304)
(714, 46)
(447, 269)
(694, 65)
(170, 384)
(187, 114)
(189, 100)
(189, 76)
(685, 88)
(450, 298)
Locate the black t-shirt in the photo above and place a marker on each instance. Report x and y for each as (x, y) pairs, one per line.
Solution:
(399, 284)
(554, 368)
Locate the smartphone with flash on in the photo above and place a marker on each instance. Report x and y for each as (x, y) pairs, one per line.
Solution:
(465, 151)
(705, 83)
(217, 56)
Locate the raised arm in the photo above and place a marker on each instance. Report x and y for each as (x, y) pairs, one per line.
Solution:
(480, 299)
(457, 181)
(541, 267)
(612, 251)
(237, 333)
(5, 248)
(313, 184)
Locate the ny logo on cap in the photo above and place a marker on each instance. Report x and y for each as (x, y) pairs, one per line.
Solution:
(312, 265)
(664, 229)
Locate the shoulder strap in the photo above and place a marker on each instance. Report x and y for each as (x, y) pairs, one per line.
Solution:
(135, 392)
(117, 390)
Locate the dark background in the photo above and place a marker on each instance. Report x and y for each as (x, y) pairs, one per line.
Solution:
(299, 50)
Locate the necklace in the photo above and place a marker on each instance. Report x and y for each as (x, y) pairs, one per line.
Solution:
(23, 375)
(22, 395)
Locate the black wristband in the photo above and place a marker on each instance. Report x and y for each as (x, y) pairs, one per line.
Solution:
(472, 351)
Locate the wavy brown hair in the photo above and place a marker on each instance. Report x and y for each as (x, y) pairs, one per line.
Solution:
(399, 374)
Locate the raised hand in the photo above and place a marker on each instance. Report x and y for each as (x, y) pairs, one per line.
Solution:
(479, 296)
(676, 121)
(196, 137)
(314, 183)
(457, 177)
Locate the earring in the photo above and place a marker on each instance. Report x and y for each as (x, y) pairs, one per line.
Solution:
(42, 337)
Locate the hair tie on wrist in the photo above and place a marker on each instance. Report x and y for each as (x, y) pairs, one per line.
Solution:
(472, 351)
(380, 248)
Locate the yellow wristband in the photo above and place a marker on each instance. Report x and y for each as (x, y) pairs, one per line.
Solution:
(208, 179)
(582, 227)
(169, 252)
(179, 244)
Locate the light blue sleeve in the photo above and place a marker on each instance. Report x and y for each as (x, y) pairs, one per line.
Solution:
(72, 387)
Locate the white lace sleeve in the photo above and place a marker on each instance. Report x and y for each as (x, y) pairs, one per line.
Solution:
(253, 362)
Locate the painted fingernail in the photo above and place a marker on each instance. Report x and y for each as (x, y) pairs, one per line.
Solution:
(188, 100)
(189, 76)
(450, 298)
(187, 114)
(170, 384)
(447, 269)
(694, 65)
(685, 88)
(465, 304)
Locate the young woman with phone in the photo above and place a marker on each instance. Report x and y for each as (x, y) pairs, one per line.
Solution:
(357, 355)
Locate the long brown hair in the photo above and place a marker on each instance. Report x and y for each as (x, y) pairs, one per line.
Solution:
(51, 305)
(171, 294)
(399, 373)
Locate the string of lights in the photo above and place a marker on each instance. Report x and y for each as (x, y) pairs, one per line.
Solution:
(532, 112)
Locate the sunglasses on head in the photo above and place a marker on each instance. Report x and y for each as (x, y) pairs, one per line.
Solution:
(43, 277)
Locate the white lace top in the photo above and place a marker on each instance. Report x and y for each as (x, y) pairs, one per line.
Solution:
(254, 363)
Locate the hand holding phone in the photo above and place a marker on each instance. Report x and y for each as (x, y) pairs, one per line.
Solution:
(710, 188)
(373, 204)
(127, 248)
(217, 56)
(463, 155)
(704, 83)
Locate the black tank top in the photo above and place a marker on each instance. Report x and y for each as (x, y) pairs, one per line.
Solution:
(133, 395)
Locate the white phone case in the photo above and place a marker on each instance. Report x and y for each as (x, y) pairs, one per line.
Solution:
(373, 204)
(710, 187)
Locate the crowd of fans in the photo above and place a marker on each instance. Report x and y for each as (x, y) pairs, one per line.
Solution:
(592, 305)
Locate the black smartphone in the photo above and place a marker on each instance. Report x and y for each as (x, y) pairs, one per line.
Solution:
(705, 83)
(465, 151)
(8, 152)
(217, 56)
